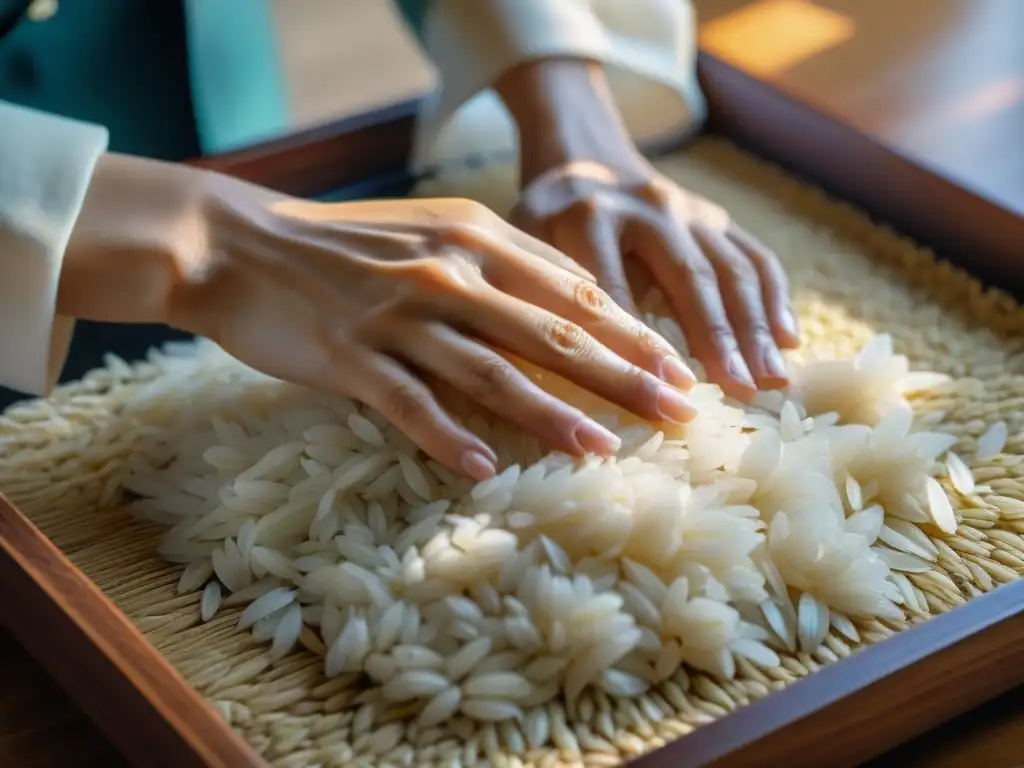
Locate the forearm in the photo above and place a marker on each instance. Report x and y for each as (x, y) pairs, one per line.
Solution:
(564, 112)
(478, 43)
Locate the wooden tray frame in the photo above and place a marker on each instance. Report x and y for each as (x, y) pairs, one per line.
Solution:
(840, 716)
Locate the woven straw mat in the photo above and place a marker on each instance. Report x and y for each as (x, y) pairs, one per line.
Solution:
(850, 279)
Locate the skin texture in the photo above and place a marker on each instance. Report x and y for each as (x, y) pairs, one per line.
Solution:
(587, 191)
(381, 301)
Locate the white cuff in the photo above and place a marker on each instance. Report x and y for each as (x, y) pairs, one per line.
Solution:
(46, 163)
(648, 48)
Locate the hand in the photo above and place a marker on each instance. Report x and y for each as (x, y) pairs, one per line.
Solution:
(370, 300)
(727, 291)
(588, 191)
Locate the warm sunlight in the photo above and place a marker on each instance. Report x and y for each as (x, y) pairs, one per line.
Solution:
(766, 38)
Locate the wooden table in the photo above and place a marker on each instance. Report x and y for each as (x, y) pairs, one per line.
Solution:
(933, 88)
(912, 109)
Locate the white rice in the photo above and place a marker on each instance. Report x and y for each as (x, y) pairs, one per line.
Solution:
(749, 531)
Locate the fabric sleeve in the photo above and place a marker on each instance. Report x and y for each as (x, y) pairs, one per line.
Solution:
(46, 163)
(648, 48)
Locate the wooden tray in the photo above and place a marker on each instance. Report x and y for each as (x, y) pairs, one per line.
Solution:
(841, 716)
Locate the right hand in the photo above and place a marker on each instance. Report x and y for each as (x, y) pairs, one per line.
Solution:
(375, 300)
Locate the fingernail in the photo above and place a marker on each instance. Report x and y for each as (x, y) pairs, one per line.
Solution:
(739, 371)
(673, 405)
(676, 372)
(774, 364)
(477, 466)
(789, 324)
(593, 438)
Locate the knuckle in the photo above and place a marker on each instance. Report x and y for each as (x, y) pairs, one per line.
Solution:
(720, 331)
(657, 195)
(466, 234)
(475, 219)
(443, 274)
(741, 271)
(567, 338)
(489, 377)
(402, 403)
(455, 235)
(589, 298)
(703, 275)
(639, 381)
(759, 333)
(649, 343)
(712, 215)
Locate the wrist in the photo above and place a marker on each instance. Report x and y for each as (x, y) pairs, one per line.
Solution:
(137, 236)
(564, 113)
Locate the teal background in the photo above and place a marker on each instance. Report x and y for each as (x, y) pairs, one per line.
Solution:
(238, 95)
(119, 63)
(170, 79)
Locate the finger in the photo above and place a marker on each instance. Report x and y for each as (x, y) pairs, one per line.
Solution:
(594, 241)
(741, 293)
(565, 348)
(691, 287)
(774, 288)
(593, 309)
(405, 401)
(547, 252)
(492, 381)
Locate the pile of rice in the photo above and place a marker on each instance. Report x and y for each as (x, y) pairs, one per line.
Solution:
(562, 611)
(748, 531)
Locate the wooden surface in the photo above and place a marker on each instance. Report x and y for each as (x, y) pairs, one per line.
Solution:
(103, 661)
(912, 109)
(345, 58)
(873, 701)
(941, 81)
(935, 82)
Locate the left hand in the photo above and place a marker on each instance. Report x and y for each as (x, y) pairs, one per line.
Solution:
(728, 292)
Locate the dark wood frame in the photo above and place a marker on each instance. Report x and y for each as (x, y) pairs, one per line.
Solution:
(103, 662)
(326, 158)
(841, 716)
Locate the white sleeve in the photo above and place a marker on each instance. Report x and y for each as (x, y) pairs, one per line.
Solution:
(648, 48)
(46, 163)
